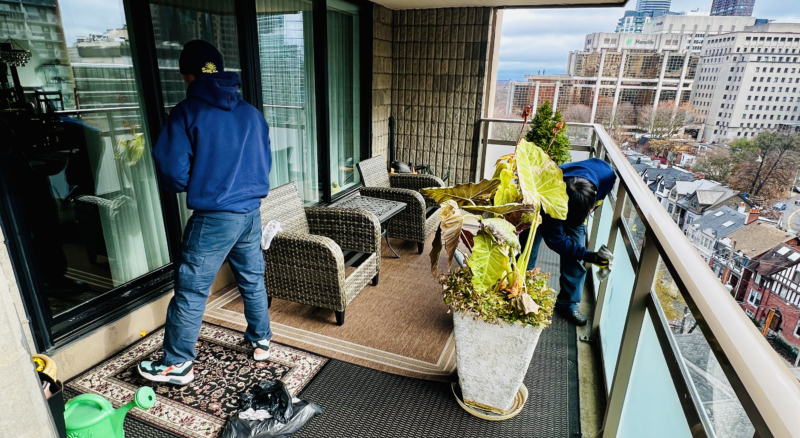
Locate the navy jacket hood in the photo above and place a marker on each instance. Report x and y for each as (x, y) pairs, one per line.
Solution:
(215, 147)
(218, 89)
(596, 171)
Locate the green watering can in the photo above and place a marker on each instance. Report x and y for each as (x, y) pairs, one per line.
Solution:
(92, 416)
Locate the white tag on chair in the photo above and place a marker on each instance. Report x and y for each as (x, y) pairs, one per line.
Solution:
(269, 231)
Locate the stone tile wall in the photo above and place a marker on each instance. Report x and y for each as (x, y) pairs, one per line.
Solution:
(439, 62)
(381, 80)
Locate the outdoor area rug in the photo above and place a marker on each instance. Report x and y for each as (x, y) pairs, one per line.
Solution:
(401, 326)
(224, 368)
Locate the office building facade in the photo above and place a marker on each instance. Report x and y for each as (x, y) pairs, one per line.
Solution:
(742, 8)
(653, 6)
(748, 82)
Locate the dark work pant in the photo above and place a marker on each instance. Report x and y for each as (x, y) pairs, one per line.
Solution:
(573, 273)
(210, 238)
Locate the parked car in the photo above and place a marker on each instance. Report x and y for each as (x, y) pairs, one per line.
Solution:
(779, 206)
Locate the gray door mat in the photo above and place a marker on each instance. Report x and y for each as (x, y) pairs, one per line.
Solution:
(360, 402)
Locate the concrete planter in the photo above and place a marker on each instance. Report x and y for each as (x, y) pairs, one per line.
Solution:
(492, 360)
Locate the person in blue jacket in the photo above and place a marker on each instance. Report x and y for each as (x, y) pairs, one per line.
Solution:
(215, 147)
(588, 183)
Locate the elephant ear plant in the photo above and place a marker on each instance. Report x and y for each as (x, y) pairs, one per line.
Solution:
(494, 285)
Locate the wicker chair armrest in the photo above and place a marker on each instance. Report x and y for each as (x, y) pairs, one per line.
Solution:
(414, 181)
(305, 251)
(351, 228)
(417, 182)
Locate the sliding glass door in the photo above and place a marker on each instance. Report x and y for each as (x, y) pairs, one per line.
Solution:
(286, 54)
(344, 94)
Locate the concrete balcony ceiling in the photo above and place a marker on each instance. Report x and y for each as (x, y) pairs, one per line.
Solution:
(424, 4)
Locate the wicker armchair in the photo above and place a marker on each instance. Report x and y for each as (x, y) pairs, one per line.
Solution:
(307, 262)
(421, 215)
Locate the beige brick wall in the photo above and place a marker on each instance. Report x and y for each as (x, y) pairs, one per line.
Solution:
(381, 80)
(8, 281)
(439, 62)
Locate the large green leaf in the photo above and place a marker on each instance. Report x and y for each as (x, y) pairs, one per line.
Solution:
(489, 261)
(463, 194)
(504, 232)
(498, 209)
(452, 221)
(507, 193)
(436, 251)
(541, 181)
(499, 168)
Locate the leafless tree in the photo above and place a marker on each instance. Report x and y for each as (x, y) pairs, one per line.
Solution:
(665, 120)
(766, 165)
(716, 165)
(578, 114)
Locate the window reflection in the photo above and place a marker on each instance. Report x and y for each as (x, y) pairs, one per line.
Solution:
(286, 51)
(82, 172)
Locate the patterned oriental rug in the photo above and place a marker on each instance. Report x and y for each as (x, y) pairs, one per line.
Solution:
(224, 368)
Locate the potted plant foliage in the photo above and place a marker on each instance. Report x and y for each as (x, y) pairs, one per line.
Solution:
(499, 308)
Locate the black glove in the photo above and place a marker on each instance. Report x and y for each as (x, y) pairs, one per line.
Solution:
(597, 259)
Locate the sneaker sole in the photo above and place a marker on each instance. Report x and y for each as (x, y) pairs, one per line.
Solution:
(260, 357)
(175, 380)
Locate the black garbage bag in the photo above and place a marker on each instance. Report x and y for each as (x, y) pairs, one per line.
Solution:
(273, 397)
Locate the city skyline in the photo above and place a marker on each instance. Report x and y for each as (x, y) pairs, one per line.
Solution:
(564, 30)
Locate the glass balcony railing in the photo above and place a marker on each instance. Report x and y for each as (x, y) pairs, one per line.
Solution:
(678, 355)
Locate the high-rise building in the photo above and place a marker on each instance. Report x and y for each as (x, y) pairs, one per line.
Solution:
(653, 6)
(733, 7)
(616, 75)
(633, 22)
(748, 81)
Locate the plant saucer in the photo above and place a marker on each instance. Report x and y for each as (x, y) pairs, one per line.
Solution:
(516, 405)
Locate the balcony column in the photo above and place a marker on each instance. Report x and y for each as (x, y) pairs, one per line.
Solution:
(597, 86)
(555, 95)
(535, 99)
(618, 85)
(682, 78)
(660, 81)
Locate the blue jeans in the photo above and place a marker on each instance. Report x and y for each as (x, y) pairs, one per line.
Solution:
(573, 273)
(209, 239)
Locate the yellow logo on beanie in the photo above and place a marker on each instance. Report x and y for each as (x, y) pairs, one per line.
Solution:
(209, 68)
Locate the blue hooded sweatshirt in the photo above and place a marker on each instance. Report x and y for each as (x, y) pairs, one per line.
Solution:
(599, 173)
(215, 147)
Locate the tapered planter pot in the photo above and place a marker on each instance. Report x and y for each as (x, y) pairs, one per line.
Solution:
(492, 360)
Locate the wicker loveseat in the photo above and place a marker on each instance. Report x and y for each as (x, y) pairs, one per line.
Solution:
(421, 215)
(306, 262)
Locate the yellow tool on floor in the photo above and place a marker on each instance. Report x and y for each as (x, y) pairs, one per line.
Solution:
(46, 365)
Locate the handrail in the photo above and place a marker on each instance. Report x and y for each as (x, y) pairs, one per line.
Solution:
(757, 374)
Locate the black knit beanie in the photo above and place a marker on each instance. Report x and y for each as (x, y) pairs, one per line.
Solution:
(199, 57)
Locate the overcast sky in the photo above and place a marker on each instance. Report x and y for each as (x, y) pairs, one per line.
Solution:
(541, 39)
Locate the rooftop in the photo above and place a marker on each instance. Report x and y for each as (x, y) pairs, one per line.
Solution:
(758, 237)
(720, 222)
(777, 259)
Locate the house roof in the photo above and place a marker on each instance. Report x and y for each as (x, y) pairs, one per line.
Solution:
(690, 186)
(758, 237)
(777, 259)
(708, 197)
(653, 173)
(713, 223)
(640, 167)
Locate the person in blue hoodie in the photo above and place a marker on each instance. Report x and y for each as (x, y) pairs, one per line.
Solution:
(588, 183)
(215, 147)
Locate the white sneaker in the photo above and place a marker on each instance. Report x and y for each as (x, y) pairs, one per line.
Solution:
(261, 349)
(179, 374)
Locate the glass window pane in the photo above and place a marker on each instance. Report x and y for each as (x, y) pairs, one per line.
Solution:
(722, 410)
(605, 215)
(343, 92)
(615, 307)
(175, 23)
(651, 407)
(85, 178)
(286, 49)
(634, 225)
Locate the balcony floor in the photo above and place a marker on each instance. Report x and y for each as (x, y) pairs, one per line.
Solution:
(364, 402)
